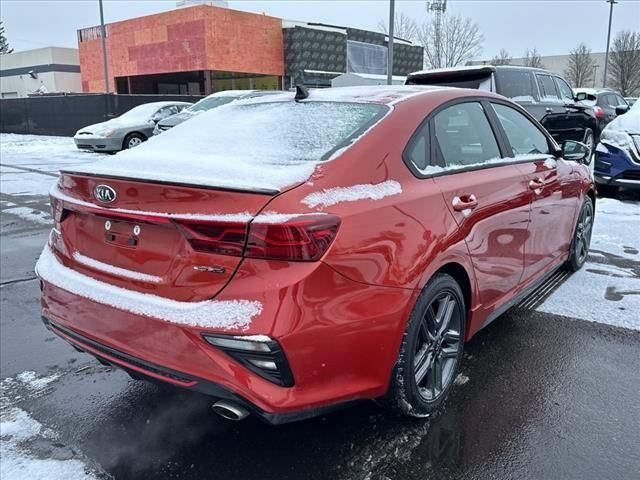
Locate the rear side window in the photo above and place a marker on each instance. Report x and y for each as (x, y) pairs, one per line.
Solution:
(417, 150)
(547, 87)
(523, 135)
(516, 84)
(464, 136)
(565, 90)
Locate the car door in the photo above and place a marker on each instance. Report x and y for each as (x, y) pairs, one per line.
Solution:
(576, 119)
(488, 197)
(555, 118)
(553, 186)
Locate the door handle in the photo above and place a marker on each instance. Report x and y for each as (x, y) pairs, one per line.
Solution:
(466, 202)
(536, 184)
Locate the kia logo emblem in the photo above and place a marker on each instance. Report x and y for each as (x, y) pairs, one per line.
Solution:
(105, 193)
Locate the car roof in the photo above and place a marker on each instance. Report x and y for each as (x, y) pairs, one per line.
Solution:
(166, 104)
(594, 91)
(474, 70)
(380, 94)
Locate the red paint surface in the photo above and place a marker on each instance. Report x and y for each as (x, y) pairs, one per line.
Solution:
(339, 320)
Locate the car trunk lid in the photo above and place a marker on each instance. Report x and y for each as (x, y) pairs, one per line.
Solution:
(143, 235)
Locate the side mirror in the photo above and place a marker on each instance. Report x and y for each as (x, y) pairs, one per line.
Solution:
(622, 109)
(576, 152)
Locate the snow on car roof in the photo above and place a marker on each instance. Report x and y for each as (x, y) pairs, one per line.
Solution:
(383, 94)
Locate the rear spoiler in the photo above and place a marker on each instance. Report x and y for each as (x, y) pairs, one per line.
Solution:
(257, 191)
(449, 74)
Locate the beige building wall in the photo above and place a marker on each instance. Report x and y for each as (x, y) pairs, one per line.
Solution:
(56, 69)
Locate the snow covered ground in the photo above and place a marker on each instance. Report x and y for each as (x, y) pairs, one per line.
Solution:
(606, 290)
(29, 163)
(24, 439)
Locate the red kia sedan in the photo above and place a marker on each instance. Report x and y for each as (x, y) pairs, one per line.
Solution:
(288, 255)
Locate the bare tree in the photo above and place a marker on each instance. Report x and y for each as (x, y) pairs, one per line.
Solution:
(503, 58)
(624, 63)
(404, 27)
(580, 68)
(451, 42)
(532, 58)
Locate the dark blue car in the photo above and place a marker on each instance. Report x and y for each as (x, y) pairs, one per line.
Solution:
(617, 162)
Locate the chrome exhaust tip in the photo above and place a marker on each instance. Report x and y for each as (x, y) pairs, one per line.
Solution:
(229, 410)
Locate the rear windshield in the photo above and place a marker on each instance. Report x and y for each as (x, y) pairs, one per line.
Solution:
(275, 131)
(463, 79)
(209, 103)
(516, 84)
(247, 144)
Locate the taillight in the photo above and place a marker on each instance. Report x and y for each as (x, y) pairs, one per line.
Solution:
(58, 211)
(599, 112)
(304, 239)
(221, 238)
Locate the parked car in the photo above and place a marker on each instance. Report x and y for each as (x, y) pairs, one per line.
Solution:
(617, 161)
(631, 100)
(606, 103)
(347, 254)
(544, 94)
(128, 130)
(212, 101)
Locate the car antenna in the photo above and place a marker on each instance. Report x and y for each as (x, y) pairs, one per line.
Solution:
(302, 93)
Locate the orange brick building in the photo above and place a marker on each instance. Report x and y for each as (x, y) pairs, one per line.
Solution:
(194, 50)
(202, 49)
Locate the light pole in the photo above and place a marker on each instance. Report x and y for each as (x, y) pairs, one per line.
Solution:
(103, 32)
(606, 56)
(392, 21)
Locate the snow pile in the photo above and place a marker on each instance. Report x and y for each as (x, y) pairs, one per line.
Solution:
(607, 288)
(246, 144)
(16, 427)
(121, 272)
(333, 196)
(226, 314)
(31, 380)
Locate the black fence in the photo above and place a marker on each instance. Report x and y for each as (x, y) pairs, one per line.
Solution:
(64, 115)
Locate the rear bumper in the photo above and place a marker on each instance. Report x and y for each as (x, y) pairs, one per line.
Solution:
(340, 337)
(137, 368)
(98, 144)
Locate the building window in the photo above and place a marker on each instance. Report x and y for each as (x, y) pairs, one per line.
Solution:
(366, 58)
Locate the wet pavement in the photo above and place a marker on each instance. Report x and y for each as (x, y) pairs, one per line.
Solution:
(540, 396)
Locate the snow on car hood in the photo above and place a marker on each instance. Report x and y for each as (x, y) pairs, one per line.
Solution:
(618, 132)
(258, 146)
(114, 123)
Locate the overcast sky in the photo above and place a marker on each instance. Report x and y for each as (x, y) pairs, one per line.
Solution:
(552, 26)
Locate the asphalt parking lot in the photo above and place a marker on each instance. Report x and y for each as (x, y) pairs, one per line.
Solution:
(549, 390)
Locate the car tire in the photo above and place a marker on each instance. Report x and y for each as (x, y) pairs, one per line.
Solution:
(581, 236)
(590, 141)
(431, 349)
(608, 190)
(132, 140)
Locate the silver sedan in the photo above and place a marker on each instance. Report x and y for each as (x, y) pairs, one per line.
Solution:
(128, 130)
